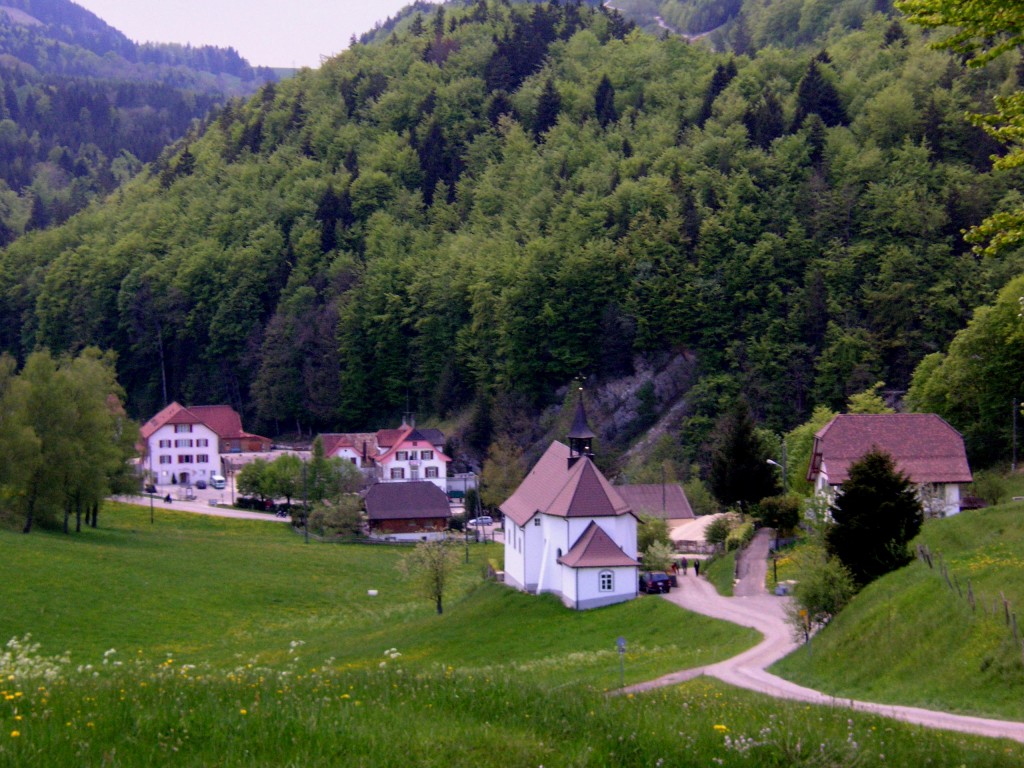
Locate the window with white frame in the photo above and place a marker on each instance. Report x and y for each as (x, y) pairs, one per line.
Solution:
(606, 580)
(536, 520)
(431, 471)
(401, 455)
(397, 473)
(165, 459)
(203, 458)
(427, 455)
(165, 443)
(182, 428)
(202, 442)
(185, 460)
(183, 443)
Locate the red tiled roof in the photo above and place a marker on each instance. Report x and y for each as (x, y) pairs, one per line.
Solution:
(222, 419)
(406, 501)
(334, 441)
(408, 435)
(552, 487)
(925, 447)
(388, 437)
(666, 501)
(596, 549)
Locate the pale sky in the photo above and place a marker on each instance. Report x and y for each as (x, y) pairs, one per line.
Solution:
(272, 33)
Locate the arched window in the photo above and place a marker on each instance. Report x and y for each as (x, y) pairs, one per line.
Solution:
(606, 579)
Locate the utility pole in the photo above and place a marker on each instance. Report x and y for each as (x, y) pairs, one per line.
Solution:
(305, 505)
(1013, 461)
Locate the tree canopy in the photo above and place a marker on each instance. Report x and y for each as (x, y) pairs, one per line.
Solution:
(444, 223)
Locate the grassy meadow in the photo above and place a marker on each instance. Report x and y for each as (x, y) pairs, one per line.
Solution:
(200, 641)
(910, 639)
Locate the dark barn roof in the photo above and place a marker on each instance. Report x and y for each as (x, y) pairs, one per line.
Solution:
(406, 501)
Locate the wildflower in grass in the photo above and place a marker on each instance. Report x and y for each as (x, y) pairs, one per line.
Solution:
(721, 728)
(243, 712)
(15, 734)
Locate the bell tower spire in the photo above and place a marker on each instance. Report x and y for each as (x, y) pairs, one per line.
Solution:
(580, 435)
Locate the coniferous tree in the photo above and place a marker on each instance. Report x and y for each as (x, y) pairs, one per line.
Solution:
(548, 106)
(740, 472)
(724, 73)
(876, 515)
(816, 95)
(765, 121)
(604, 102)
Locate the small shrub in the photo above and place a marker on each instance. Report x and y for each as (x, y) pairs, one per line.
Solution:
(718, 531)
(658, 557)
(779, 512)
(989, 486)
(739, 537)
(651, 530)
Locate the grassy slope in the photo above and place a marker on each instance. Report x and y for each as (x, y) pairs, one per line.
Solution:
(207, 590)
(502, 679)
(909, 639)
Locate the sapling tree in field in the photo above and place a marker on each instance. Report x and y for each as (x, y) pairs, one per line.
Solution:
(875, 516)
(430, 568)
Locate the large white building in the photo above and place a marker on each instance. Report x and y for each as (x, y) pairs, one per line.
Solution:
(186, 443)
(567, 530)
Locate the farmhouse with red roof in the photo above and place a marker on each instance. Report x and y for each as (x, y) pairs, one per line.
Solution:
(568, 531)
(925, 448)
(186, 443)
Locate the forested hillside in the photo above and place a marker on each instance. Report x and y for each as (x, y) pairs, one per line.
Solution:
(495, 199)
(82, 107)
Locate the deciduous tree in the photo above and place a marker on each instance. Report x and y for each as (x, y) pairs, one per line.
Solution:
(431, 567)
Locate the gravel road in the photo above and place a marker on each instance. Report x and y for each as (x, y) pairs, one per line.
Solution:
(753, 607)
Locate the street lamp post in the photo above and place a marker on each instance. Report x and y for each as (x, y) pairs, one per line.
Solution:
(782, 466)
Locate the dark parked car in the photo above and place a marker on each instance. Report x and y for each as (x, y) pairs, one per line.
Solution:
(150, 488)
(655, 582)
(200, 484)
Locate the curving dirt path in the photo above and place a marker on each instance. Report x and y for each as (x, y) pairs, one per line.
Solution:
(766, 614)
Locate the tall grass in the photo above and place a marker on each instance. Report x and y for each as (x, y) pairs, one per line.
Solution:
(391, 715)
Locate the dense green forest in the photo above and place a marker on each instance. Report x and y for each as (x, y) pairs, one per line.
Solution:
(82, 107)
(492, 199)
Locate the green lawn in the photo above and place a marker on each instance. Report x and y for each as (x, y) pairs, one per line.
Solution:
(200, 641)
(909, 639)
(214, 591)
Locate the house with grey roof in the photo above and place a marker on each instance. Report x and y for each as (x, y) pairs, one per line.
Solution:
(666, 501)
(410, 511)
(567, 529)
(924, 447)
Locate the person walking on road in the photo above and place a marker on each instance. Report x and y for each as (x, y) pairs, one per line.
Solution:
(696, 567)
